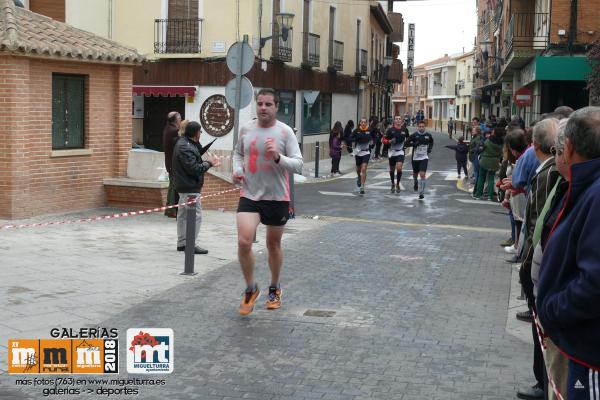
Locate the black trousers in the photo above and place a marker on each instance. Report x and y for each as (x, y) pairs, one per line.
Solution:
(335, 165)
(539, 368)
(462, 165)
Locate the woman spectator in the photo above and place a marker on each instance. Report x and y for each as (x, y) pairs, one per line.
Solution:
(348, 135)
(335, 147)
(489, 163)
(517, 143)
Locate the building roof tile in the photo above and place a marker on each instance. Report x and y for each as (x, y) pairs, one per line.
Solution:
(25, 32)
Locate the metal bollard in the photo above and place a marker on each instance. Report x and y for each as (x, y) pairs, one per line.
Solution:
(317, 160)
(190, 235)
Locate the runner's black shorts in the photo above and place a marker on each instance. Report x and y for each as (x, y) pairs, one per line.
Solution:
(271, 212)
(362, 159)
(396, 159)
(420, 165)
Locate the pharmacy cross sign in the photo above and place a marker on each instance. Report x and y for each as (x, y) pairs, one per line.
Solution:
(216, 116)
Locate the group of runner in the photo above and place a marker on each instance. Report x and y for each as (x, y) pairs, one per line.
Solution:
(267, 154)
(398, 138)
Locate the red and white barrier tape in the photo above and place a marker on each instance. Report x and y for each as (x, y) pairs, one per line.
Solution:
(540, 336)
(114, 216)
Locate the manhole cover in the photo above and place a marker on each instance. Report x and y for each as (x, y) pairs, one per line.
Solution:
(319, 313)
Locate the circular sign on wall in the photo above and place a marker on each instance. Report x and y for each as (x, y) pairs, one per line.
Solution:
(216, 116)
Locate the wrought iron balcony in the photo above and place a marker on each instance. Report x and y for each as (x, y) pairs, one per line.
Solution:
(526, 31)
(396, 71)
(361, 62)
(282, 49)
(336, 55)
(311, 46)
(378, 74)
(177, 36)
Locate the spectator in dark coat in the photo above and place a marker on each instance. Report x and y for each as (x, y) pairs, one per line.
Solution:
(170, 135)
(569, 281)
(461, 152)
(188, 174)
(348, 135)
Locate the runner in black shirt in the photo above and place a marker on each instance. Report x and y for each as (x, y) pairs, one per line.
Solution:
(395, 136)
(422, 143)
(362, 153)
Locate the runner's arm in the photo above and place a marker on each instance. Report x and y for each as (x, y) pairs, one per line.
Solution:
(238, 156)
(292, 161)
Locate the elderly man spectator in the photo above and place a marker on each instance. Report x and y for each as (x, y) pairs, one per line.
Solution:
(556, 363)
(170, 134)
(569, 281)
(188, 173)
(544, 179)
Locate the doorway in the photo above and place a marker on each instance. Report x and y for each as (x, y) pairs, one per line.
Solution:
(155, 117)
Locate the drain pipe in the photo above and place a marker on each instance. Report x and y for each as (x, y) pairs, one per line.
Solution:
(573, 26)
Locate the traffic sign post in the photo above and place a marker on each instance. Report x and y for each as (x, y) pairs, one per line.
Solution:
(523, 97)
(240, 59)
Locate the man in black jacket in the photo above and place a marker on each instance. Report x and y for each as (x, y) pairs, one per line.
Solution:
(170, 134)
(188, 173)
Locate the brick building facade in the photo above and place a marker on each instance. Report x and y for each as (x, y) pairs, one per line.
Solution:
(42, 170)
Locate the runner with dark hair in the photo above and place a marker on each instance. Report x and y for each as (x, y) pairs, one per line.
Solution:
(395, 137)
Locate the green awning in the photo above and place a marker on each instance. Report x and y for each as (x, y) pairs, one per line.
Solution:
(562, 68)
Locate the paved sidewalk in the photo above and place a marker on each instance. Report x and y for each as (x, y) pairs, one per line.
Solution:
(79, 275)
(416, 313)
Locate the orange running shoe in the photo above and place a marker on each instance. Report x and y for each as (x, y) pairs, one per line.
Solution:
(248, 300)
(274, 298)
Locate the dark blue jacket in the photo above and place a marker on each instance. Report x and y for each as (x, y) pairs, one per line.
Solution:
(461, 151)
(568, 299)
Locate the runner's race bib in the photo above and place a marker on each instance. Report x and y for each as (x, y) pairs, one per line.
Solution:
(421, 151)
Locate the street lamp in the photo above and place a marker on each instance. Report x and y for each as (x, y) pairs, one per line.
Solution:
(284, 24)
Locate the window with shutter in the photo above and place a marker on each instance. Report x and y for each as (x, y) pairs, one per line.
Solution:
(68, 111)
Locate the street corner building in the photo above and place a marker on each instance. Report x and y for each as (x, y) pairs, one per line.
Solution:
(65, 113)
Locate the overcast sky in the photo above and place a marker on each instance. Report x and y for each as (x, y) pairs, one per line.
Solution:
(441, 27)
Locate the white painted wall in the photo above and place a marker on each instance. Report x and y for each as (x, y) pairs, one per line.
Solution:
(90, 15)
(192, 112)
(343, 108)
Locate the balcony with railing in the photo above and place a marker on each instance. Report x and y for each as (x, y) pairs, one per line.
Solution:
(437, 89)
(282, 48)
(527, 33)
(177, 36)
(496, 16)
(377, 74)
(361, 62)
(336, 56)
(396, 71)
(311, 46)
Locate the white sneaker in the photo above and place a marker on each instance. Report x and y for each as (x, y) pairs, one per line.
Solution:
(510, 249)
